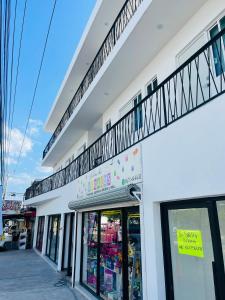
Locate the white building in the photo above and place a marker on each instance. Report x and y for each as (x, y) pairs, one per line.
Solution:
(135, 208)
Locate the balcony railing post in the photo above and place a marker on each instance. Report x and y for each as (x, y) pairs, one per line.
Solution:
(89, 159)
(115, 146)
(164, 105)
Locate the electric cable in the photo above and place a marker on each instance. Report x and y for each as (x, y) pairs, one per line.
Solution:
(37, 82)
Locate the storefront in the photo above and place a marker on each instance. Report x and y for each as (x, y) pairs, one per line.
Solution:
(194, 243)
(108, 261)
(40, 232)
(52, 247)
(68, 237)
(111, 253)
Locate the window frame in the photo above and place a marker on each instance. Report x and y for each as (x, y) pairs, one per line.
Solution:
(150, 82)
(215, 22)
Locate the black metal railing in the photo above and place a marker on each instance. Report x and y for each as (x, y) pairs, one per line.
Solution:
(128, 10)
(196, 82)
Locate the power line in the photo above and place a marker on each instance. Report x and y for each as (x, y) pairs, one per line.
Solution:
(16, 78)
(37, 81)
(8, 133)
(5, 33)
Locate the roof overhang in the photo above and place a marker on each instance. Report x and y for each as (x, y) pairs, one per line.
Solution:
(100, 21)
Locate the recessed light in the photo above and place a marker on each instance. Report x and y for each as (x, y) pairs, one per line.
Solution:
(159, 26)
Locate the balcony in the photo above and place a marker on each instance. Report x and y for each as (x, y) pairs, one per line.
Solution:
(128, 10)
(195, 83)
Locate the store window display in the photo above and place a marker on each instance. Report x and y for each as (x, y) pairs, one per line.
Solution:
(111, 254)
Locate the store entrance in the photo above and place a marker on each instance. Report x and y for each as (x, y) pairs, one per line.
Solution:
(194, 249)
(111, 254)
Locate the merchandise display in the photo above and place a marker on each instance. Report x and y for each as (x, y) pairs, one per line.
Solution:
(134, 256)
(111, 255)
(103, 250)
(90, 239)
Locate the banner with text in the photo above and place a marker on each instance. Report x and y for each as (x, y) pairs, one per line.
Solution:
(119, 171)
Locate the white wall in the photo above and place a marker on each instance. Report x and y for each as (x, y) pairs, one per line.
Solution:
(73, 150)
(165, 62)
(185, 160)
(162, 65)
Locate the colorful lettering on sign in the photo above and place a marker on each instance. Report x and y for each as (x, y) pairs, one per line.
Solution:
(189, 242)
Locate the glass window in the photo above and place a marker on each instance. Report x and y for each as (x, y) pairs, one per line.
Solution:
(40, 232)
(134, 255)
(218, 47)
(108, 125)
(53, 238)
(90, 245)
(111, 255)
(103, 268)
(192, 254)
(152, 86)
(138, 122)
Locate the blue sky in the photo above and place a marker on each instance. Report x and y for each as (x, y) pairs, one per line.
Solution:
(68, 24)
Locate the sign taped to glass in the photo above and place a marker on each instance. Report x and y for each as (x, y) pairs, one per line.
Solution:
(189, 242)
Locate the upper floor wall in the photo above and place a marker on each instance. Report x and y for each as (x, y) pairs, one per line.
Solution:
(143, 37)
(191, 36)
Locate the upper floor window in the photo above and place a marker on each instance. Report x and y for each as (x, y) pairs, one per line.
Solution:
(81, 149)
(152, 85)
(218, 48)
(108, 125)
(138, 119)
(137, 112)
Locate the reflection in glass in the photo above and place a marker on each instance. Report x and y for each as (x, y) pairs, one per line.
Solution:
(111, 255)
(134, 256)
(192, 272)
(53, 237)
(221, 216)
(90, 239)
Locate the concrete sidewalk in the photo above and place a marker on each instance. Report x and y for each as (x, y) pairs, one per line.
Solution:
(25, 275)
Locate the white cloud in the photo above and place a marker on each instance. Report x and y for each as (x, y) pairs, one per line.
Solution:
(16, 143)
(45, 170)
(34, 127)
(21, 179)
(11, 161)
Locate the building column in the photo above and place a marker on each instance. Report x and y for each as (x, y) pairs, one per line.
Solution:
(76, 278)
(61, 236)
(35, 231)
(74, 247)
(45, 235)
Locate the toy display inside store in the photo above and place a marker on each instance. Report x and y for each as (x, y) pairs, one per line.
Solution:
(103, 250)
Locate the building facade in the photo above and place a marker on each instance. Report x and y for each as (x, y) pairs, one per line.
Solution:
(135, 208)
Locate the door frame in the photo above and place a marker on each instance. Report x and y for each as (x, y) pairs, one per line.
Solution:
(218, 265)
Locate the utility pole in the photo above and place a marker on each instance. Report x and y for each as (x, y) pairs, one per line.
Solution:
(1, 229)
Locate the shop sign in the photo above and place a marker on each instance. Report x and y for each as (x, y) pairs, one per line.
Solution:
(11, 205)
(120, 171)
(189, 242)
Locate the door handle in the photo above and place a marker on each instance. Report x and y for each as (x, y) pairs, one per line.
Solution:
(215, 279)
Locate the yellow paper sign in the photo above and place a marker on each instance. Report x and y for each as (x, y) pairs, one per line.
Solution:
(189, 242)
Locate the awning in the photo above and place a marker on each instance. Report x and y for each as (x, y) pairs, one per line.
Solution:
(126, 193)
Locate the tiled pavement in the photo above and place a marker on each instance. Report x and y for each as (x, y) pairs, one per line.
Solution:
(25, 275)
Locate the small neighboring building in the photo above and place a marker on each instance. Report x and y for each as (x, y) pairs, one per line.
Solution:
(135, 208)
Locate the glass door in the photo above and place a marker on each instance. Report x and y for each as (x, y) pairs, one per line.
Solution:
(192, 251)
